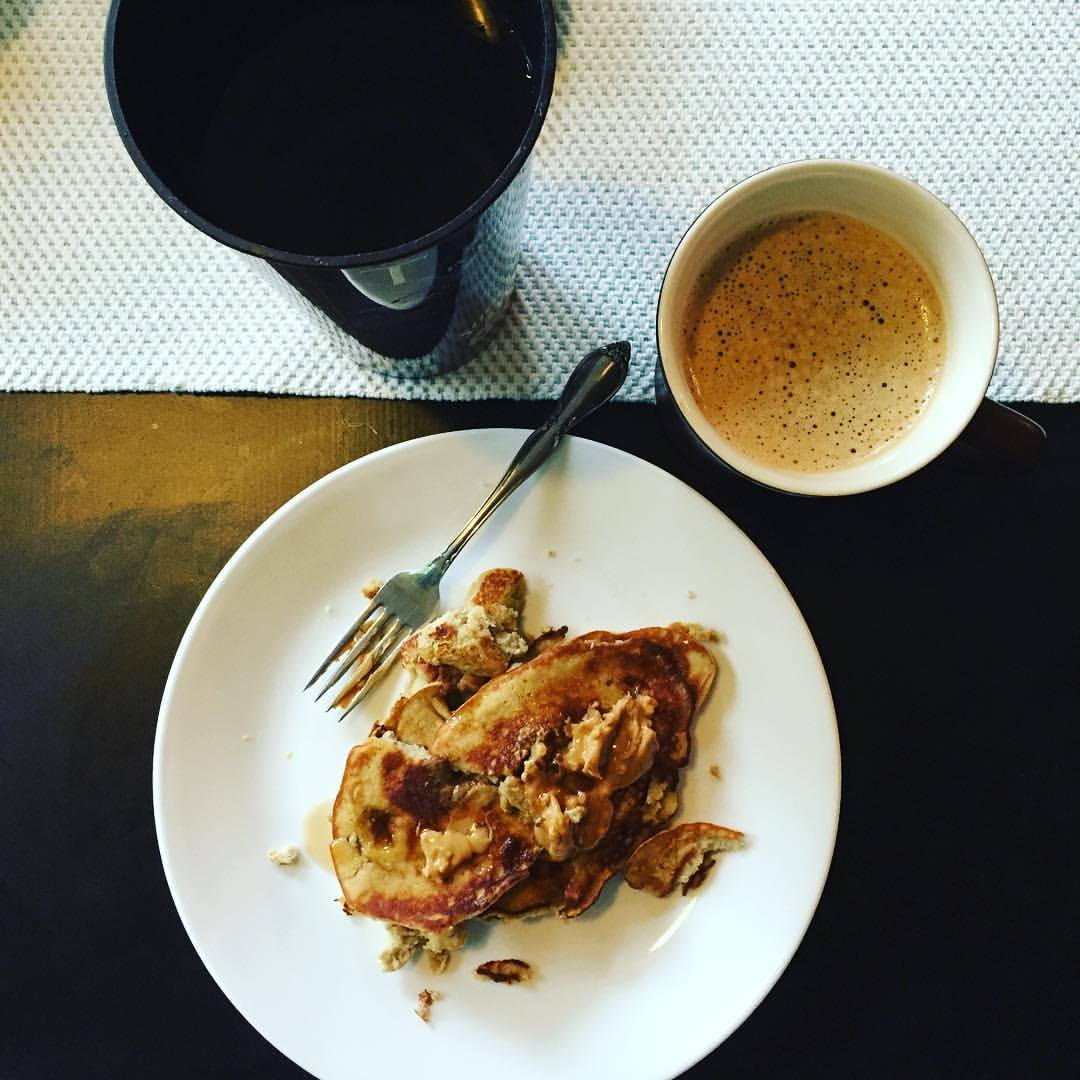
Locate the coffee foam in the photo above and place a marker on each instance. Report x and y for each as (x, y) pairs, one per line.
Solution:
(813, 342)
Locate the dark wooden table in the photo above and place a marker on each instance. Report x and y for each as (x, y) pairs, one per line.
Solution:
(945, 609)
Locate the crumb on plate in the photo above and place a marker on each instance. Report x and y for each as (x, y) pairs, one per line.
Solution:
(246, 737)
(284, 856)
(505, 971)
(371, 587)
(424, 1000)
(438, 962)
(714, 771)
(404, 942)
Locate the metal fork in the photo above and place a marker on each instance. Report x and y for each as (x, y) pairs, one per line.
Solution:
(409, 599)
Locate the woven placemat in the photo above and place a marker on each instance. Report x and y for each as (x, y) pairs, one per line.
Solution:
(657, 108)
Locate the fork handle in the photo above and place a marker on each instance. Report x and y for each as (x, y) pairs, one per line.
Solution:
(593, 382)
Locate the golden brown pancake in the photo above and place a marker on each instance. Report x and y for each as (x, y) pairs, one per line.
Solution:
(680, 856)
(495, 730)
(664, 662)
(392, 795)
(594, 731)
(417, 717)
(462, 649)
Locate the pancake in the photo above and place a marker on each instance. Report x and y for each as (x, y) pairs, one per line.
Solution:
(462, 649)
(396, 806)
(531, 794)
(495, 730)
(663, 662)
(680, 857)
(417, 717)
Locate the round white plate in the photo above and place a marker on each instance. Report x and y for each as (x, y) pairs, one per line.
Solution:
(637, 987)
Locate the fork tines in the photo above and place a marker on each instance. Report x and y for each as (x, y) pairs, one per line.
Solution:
(370, 648)
(343, 644)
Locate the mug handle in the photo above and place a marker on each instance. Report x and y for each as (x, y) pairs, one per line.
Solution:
(1000, 439)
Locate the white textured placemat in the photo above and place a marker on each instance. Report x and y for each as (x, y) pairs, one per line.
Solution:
(657, 108)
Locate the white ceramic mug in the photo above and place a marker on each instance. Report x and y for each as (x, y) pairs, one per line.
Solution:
(938, 239)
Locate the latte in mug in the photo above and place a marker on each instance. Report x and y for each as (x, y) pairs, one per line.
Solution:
(813, 342)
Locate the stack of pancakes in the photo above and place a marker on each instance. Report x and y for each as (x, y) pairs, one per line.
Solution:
(520, 777)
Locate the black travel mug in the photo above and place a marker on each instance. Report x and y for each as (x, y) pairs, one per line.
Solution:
(375, 152)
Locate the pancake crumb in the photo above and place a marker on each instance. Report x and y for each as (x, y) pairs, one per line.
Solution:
(505, 971)
(424, 1000)
(690, 594)
(438, 962)
(371, 587)
(404, 942)
(284, 856)
(552, 553)
(714, 771)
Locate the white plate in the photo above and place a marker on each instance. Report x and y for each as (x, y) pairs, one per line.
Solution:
(638, 987)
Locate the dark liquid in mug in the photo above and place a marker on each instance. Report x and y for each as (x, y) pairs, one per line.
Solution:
(361, 126)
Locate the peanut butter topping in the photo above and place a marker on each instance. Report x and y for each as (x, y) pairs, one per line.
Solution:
(661, 802)
(617, 746)
(568, 796)
(538, 794)
(590, 740)
(444, 851)
(553, 829)
(512, 795)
